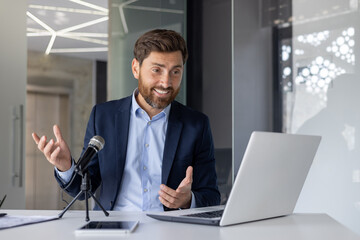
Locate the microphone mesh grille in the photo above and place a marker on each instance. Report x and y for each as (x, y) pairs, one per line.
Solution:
(97, 142)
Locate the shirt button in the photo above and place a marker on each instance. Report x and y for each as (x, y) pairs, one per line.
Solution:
(145, 190)
(144, 168)
(149, 123)
(147, 145)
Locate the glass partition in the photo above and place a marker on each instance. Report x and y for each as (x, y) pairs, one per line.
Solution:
(319, 75)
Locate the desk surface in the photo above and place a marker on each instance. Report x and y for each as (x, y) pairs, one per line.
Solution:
(296, 226)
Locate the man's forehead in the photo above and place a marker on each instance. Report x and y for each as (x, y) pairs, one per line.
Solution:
(164, 59)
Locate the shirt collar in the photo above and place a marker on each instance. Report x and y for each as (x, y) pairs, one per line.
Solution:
(136, 108)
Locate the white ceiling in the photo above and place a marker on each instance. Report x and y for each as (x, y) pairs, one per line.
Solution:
(68, 27)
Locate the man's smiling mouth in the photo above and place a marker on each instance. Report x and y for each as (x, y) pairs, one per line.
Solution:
(161, 91)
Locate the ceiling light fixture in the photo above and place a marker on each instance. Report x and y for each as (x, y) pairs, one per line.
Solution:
(93, 6)
(86, 24)
(34, 32)
(66, 32)
(127, 5)
(84, 39)
(41, 23)
(77, 50)
(83, 34)
(71, 10)
(122, 15)
(53, 33)
(51, 43)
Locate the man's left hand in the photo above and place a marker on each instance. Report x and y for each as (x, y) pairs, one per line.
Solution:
(181, 197)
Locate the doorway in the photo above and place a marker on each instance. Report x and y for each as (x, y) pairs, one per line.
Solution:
(46, 106)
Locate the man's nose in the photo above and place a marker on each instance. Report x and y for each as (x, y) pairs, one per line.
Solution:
(166, 80)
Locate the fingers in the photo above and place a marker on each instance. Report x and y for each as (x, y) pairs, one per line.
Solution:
(42, 143)
(48, 149)
(168, 197)
(167, 192)
(168, 203)
(35, 137)
(174, 199)
(189, 174)
(57, 133)
(186, 183)
(181, 197)
(55, 153)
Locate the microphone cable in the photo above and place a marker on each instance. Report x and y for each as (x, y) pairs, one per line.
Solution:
(67, 185)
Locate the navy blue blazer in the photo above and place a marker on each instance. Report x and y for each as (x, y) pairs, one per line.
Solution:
(188, 142)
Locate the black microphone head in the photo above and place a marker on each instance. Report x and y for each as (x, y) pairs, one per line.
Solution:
(98, 142)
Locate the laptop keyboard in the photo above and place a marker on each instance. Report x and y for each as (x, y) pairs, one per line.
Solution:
(211, 214)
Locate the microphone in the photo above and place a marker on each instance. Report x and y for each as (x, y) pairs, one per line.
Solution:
(96, 144)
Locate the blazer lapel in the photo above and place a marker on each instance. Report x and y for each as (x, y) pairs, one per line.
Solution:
(171, 141)
(122, 120)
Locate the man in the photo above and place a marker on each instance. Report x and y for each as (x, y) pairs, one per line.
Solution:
(158, 153)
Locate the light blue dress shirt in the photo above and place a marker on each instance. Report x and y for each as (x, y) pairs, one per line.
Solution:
(142, 173)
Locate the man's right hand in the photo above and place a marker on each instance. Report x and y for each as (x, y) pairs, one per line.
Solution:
(57, 153)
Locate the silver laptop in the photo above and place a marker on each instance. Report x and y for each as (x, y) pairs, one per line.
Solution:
(268, 183)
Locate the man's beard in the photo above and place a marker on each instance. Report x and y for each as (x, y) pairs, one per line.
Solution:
(154, 101)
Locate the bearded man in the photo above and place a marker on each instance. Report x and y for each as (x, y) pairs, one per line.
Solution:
(159, 154)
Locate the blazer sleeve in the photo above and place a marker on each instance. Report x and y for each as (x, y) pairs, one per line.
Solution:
(204, 184)
(73, 187)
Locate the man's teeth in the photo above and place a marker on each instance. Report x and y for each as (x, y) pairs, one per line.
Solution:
(160, 91)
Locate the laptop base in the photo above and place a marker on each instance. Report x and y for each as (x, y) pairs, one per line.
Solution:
(180, 219)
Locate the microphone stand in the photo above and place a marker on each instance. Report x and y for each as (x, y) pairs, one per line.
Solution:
(84, 189)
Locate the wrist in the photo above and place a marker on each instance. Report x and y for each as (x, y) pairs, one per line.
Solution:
(65, 167)
(188, 202)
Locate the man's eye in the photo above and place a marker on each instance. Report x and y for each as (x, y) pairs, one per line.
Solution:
(155, 70)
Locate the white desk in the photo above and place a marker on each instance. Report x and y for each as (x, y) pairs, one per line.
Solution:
(294, 227)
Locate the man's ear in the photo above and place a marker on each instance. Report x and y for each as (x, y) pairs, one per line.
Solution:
(135, 67)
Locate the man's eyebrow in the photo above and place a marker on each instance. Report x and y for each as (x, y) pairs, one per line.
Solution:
(163, 65)
(178, 66)
(158, 64)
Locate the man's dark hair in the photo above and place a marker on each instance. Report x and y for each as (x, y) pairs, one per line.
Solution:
(159, 40)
